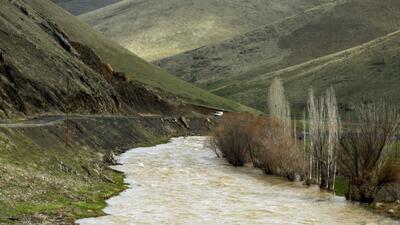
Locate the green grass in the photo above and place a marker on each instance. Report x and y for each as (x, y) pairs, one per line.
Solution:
(96, 195)
(340, 186)
(52, 181)
(94, 201)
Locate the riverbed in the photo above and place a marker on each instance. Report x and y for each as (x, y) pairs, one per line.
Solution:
(183, 182)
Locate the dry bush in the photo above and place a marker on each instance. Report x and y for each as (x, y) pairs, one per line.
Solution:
(232, 139)
(280, 154)
(260, 140)
(367, 157)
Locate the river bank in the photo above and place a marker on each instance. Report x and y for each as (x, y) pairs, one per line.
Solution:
(183, 182)
(43, 181)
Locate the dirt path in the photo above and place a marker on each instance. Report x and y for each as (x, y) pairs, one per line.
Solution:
(58, 119)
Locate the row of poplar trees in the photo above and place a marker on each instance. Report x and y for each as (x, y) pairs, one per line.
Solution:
(321, 127)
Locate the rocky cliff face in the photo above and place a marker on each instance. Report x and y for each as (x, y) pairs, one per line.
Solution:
(43, 71)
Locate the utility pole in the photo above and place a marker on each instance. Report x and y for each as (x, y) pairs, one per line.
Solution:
(67, 128)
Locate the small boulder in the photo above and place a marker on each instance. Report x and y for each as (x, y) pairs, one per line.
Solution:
(184, 122)
(109, 68)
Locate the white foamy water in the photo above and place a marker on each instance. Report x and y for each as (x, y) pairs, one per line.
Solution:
(183, 182)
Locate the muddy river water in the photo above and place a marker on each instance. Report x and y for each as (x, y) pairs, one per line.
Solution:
(183, 182)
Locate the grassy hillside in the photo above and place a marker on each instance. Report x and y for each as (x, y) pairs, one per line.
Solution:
(120, 58)
(317, 32)
(155, 29)
(78, 7)
(367, 72)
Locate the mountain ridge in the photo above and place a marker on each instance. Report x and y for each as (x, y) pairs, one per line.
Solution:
(154, 29)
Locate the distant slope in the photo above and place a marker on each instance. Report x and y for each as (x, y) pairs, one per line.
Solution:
(155, 29)
(323, 30)
(367, 72)
(123, 60)
(317, 32)
(78, 7)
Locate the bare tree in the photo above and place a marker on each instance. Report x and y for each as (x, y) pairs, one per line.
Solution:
(367, 157)
(278, 106)
(333, 135)
(324, 126)
(317, 115)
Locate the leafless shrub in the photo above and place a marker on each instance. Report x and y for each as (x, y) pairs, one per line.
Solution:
(212, 144)
(367, 157)
(231, 138)
(280, 154)
(261, 141)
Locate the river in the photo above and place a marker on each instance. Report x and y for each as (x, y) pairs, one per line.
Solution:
(183, 182)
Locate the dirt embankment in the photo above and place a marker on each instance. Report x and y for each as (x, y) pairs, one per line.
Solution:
(44, 181)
